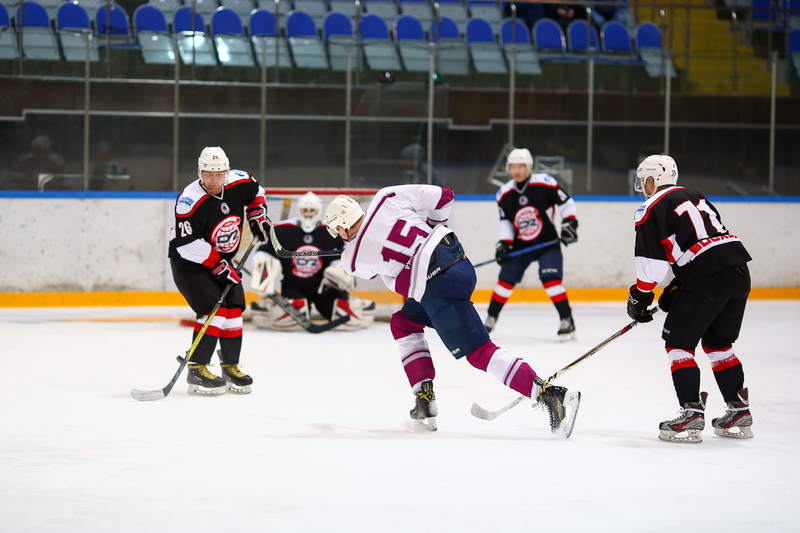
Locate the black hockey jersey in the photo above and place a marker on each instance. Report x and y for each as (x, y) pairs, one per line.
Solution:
(527, 210)
(209, 228)
(302, 275)
(681, 229)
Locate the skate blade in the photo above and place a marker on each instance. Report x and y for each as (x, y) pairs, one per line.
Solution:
(197, 390)
(566, 337)
(233, 389)
(743, 433)
(692, 436)
(425, 423)
(572, 401)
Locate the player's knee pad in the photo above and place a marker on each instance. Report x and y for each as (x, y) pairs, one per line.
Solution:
(269, 315)
(402, 326)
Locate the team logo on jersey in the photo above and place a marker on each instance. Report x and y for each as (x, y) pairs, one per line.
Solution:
(528, 223)
(523, 200)
(225, 209)
(306, 267)
(308, 239)
(225, 236)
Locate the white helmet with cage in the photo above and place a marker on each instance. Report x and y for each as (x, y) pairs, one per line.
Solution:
(661, 168)
(343, 212)
(212, 159)
(519, 156)
(310, 207)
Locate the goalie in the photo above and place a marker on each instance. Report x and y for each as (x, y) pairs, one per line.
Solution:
(303, 281)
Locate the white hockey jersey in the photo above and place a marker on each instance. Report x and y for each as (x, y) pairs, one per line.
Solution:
(401, 228)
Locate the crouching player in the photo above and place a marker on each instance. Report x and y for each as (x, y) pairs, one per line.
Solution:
(305, 281)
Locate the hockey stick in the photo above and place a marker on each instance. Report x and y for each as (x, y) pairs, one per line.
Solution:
(283, 252)
(485, 414)
(517, 253)
(302, 319)
(147, 396)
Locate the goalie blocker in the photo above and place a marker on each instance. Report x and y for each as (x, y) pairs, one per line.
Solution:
(332, 298)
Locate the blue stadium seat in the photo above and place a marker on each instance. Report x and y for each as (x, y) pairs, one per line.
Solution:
(75, 33)
(8, 36)
(452, 56)
(650, 49)
(306, 46)
(111, 21)
(411, 42)
(271, 47)
(194, 44)
(579, 33)
(38, 38)
(793, 50)
(487, 56)
(379, 49)
(153, 36)
(548, 37)
(516, 41)
(233, 48)
(337, 31)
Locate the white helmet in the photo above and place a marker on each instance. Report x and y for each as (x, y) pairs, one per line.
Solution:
(661, 168)
(309, 201)
(343, 212)
(213, 159)
(519, 156)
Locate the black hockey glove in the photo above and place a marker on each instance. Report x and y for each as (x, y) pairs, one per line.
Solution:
(569, 231)
(501, 251)
(668, 296)
(638, 302)
(259, 222)
(225, 272)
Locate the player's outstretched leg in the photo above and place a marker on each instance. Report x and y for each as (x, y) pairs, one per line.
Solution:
(202, 382)
(737, 421)
(561, 404)
(425, 409)
(688, 426)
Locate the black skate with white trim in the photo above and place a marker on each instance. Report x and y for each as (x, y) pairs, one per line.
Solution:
(562, 406)
(737, 421)
(566, 329)
(236, 381)
(425, 410)
(202, 382)
(688, 426)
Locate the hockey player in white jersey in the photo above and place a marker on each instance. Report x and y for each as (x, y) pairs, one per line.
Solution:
(403, 238)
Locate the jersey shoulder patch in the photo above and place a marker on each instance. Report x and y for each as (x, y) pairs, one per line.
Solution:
(543, 179)
(238, 175)
(189, 199)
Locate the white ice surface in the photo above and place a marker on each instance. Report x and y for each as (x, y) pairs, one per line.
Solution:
(324, 443)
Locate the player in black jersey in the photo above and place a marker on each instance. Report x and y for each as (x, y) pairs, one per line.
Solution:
(681, 229)
(209, 216)
(527, 206)
(305, 281)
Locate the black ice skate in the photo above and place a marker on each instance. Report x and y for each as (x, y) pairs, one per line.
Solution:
(425, 410)
(490, 323)
(566, 329)
(202, 382)
(237, 381)
(561, 404)
(737, 421)
(688, 426)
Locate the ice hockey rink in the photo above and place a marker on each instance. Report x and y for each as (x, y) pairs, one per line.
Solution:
(324, 443)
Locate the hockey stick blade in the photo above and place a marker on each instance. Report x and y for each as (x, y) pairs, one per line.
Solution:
(283, 252)
(303, 320)
(152, 395)
(484, 414)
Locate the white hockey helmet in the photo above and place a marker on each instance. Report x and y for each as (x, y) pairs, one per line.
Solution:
(661, 168)
(519, 156)
(213, 159)
(343, 212)
(310, 207)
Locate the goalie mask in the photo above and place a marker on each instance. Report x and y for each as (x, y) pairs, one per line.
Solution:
(343, 212)
(310, 208)
(519, 156)
(661, 168)
(212, 159)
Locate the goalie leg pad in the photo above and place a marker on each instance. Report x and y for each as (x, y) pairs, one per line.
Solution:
(268, 315)
(358, 317)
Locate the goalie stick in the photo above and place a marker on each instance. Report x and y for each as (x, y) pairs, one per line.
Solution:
(283, 252)
(148, 396)
(484, 414)
(302, 319)
(517, 253)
